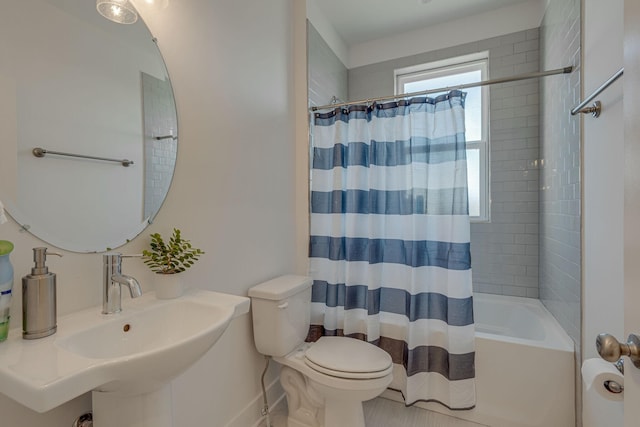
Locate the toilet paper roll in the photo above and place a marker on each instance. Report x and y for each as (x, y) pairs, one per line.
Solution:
(596, 372)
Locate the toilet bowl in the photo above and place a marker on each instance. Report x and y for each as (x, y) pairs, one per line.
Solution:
(326, 381)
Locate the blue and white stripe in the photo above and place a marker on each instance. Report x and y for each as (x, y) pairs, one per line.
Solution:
(389, 245)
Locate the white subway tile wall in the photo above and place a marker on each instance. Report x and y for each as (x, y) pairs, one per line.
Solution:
(504, 252)
(560, 186)
(160, 156)
(560, 239)
(327, 75)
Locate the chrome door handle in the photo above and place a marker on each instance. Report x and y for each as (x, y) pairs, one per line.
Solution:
(611, 350)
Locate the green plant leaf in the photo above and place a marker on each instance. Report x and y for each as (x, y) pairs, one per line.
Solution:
(173, 257)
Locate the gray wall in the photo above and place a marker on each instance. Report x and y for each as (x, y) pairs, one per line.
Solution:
(504, 252)
(327, 74)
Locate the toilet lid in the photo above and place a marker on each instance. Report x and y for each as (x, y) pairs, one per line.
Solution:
(348, 358)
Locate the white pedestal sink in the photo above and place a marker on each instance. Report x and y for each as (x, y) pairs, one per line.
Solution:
(126, 359)
(113, 409)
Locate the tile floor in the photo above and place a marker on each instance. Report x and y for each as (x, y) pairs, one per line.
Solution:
(382, 412)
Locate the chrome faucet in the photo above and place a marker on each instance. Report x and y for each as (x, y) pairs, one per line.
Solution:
(112, 281)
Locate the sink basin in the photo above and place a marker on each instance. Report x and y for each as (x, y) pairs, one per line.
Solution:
(158, 328)
(145, 349)
(133, 352)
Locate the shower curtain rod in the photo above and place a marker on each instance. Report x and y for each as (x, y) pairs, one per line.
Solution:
(565, 70)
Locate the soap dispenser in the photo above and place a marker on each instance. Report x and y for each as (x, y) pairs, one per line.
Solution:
(39, 298)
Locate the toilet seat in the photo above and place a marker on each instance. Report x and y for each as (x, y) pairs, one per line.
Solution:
(348, 358)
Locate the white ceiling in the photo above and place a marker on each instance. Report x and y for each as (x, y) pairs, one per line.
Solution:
(357, 21)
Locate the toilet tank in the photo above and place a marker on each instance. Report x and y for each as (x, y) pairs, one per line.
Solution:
(281, 310)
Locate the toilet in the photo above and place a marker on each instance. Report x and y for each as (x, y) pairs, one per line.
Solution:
(326, 381)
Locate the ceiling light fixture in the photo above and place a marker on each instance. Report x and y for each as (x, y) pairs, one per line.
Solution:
(120, 11)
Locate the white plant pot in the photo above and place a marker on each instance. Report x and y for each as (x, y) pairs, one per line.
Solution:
(168, 286)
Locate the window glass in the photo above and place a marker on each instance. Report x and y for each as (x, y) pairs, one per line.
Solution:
(473, 101)
(452, 73)
(473, 178)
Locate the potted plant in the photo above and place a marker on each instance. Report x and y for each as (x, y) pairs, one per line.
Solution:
(167, 259)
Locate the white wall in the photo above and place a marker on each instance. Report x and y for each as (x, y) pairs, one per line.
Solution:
(506, 20)
(233, 195)
(603, 192)
(499, 22)
(603, 176)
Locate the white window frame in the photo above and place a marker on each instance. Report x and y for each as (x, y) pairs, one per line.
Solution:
(460, 64)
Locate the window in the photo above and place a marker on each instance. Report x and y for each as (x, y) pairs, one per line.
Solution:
(454, 72)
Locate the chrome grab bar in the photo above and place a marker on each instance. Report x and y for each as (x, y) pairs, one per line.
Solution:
(40, 152)
(597, 106)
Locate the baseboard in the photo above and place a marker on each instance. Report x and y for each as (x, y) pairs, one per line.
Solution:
(276, 406)
(251, 414)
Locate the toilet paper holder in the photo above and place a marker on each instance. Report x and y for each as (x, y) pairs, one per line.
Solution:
(610, 349)
(613, 387)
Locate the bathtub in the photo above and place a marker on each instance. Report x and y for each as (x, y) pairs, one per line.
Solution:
(524, 366)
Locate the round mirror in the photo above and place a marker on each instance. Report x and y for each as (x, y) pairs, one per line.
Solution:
(79, 95)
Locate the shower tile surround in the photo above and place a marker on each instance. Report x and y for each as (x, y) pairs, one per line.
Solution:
(535, 203)
(327, 75)
(504, 252)
(560, 179)
(532, 246)
(560, 277)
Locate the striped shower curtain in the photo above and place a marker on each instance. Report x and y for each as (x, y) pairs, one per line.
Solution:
(389, 244)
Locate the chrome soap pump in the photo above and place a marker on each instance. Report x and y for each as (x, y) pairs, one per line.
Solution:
(39, 298)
